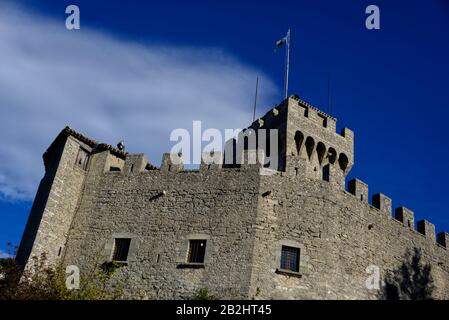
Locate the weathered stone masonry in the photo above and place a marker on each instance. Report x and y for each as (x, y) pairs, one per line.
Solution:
(89, 198)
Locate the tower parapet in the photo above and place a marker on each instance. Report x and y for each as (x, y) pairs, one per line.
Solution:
(308, 143)
(66, 163)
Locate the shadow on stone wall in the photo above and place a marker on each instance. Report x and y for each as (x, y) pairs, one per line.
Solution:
(410, 281)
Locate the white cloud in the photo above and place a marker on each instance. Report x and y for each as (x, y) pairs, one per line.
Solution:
(4, 255)
(108, 89)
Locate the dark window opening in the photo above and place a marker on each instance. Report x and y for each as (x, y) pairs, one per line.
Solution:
(197, 250)
(299, 138)
(326, 173)
(121, 249)
(321, 150)
(82, 158)
(290, 258)
(332, 154)
(115, 169)
(310, 144)
(268, 144)
(343, 161)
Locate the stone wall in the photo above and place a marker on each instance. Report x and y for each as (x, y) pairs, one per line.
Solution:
(160, 210)
(245, 218)
(339, 235)
(55, 204)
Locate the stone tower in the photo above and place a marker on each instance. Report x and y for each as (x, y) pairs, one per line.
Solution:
(308, 143)
(66, 164)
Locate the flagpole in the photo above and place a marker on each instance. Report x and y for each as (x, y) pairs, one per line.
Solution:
(255, 99)
(287, 64)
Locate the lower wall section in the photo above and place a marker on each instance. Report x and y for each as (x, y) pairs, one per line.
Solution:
(245, 220)
(339, 238)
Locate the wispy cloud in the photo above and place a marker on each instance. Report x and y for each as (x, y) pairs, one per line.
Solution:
(4, 255)
(108, 89)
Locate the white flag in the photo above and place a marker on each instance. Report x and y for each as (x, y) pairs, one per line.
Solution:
(284, 40)
(281, 42)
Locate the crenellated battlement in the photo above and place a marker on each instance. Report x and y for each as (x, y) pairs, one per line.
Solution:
(405, 216)
(213, 163)
(306, 111)
(243, 212)
(312, 151)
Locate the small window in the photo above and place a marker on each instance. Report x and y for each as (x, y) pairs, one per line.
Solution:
(197, 250)
(121, 249)
(82, 158)
(290, 259)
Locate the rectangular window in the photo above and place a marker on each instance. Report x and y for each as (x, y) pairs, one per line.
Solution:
(290, 258)
(197, 250)
(82, 158)
(121, 249)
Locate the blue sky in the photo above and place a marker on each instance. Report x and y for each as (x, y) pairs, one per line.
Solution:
(136, 70)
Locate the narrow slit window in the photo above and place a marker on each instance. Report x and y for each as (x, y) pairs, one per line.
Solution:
(82, 158)
(197, 250)
(121, 249)
(290, 259)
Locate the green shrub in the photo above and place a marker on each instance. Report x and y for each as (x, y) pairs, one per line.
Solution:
(203, 294)
(43, 282)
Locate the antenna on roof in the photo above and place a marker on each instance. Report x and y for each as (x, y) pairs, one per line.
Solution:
(255, 98)
(328, 93)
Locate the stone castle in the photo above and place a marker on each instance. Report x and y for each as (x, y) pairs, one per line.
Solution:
(295, 234)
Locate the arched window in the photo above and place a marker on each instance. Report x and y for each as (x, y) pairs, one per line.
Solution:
(332, 155)
(343, 161)
(299, 138)
(320, 150)
(310, 144)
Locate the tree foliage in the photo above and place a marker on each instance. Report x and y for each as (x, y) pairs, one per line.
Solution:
(40, 281)
(412, 280)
